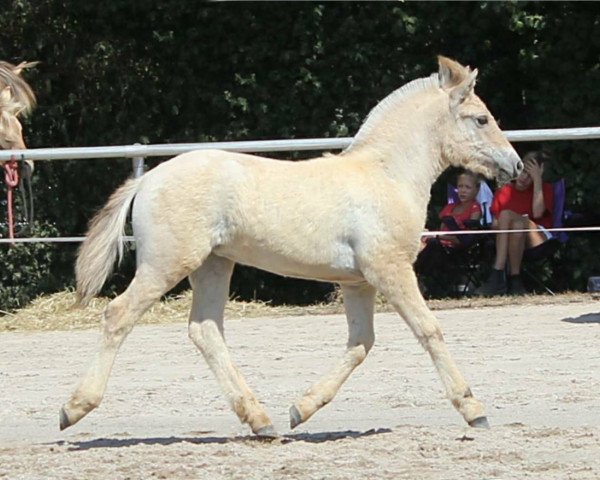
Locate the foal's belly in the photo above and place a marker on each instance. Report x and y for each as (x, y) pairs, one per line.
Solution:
(339, 266)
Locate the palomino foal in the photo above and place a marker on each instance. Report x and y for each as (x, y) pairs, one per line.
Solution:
(354, 219)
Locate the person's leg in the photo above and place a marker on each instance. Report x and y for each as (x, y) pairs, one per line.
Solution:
(530, 239)
(501, 223)
(535, 236)
(496, 282)
(516, 244)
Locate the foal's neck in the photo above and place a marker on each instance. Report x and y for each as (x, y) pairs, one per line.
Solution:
(410, 156)
(405, 137)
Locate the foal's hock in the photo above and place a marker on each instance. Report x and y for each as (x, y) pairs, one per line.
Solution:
(360, 214)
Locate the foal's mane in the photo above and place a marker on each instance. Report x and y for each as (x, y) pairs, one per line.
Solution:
(389, 103)
(23, 98)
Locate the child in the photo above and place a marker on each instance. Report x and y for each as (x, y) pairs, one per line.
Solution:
(453, 217)
(524, 204)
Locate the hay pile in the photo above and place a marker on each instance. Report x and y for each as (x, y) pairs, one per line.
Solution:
(57, 311)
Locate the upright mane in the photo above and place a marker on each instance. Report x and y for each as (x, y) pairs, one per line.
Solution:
(23, 98)
(389, 103)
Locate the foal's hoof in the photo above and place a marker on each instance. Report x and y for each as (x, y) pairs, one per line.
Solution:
(295, 417)
(479, 422)
(267, 432)
(63, 419)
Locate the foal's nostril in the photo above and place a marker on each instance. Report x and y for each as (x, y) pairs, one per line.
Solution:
(520, 167)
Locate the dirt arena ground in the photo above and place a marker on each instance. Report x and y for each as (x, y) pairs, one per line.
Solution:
(536, 368)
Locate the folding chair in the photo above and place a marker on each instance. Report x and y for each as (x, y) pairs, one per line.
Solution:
(458, 266)
(546, 250)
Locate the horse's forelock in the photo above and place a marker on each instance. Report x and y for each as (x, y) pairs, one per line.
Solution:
(23, 98)
(10, 105)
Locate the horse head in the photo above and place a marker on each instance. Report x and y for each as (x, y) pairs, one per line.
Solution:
(11, 131)
(474, 140)
(16, 99)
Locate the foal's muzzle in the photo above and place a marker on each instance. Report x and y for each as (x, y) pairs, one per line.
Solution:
(510, 164)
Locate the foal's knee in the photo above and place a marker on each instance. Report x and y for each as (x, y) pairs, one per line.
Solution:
(432, 333)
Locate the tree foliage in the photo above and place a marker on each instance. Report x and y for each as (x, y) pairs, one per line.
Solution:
(127, 71)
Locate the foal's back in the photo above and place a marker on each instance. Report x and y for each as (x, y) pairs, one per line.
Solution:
(308, 219)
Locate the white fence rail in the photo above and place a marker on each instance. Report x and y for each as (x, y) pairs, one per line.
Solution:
(138, 152)
(141, 151)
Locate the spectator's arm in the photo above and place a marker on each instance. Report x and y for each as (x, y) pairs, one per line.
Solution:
(538, 206)
(476, 215)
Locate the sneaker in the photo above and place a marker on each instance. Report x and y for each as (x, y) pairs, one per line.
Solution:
(494, 285)
(515, 285)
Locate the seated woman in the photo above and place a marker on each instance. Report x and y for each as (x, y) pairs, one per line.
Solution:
(523, 204)
(454, 216)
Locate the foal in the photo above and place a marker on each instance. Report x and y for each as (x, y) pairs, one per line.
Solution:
(361, 214)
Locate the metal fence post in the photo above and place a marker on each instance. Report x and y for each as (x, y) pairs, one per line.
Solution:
(137, 164)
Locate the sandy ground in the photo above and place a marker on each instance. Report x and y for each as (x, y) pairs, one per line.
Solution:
(536, 368)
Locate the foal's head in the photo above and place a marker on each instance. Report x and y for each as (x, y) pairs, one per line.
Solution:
(474, 139)
(16, 98)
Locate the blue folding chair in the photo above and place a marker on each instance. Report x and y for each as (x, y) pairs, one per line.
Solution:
(546, 250)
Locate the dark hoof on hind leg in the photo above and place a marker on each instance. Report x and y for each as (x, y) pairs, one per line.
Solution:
(267, 432)
(64, 420)
(480, 422)
(295, 417)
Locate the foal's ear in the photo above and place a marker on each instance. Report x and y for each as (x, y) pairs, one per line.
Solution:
(459, 93)
(17, 69)
(451, 73)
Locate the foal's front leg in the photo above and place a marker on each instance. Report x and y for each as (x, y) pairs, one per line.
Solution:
(359, 304)
(211, 287)
(397, 281)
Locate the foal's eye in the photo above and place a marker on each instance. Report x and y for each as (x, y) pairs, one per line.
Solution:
(481, 120)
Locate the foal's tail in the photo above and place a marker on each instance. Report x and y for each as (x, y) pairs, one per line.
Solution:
(104, 242)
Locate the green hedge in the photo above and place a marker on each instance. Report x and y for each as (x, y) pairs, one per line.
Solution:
(121, 72)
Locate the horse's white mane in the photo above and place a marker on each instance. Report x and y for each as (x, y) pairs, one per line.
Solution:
(10, 105)
(391, 101)
(23, 98)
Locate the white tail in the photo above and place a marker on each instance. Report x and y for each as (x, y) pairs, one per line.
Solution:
(104, 243)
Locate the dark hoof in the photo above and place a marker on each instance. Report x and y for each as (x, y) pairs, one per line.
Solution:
(295, 417)
(267, 432)
(480, 422)
(64, 420)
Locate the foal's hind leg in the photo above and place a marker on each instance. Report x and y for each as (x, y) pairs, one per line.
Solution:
(211, 288)
(397, 281)
(119, 318)
(358, 303)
